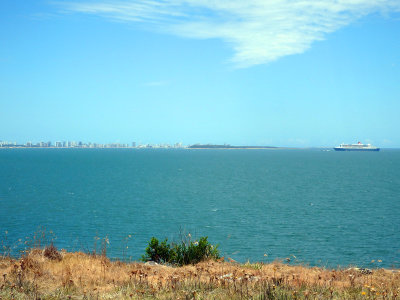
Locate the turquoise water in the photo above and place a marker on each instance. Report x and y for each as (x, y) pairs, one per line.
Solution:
(324, 208)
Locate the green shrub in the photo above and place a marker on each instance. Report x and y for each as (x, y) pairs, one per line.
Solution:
(184, 253)
(158, 252)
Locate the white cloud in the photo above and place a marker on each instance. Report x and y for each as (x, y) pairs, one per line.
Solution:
(259, 31)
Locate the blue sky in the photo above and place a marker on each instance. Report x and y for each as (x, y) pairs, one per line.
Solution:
(283, 73)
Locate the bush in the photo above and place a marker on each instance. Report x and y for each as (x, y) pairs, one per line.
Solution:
(158, 252)
(187, 252)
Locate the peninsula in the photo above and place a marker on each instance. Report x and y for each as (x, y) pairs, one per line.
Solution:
(227, 146)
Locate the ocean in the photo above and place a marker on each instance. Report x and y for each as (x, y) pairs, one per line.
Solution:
(316, 207)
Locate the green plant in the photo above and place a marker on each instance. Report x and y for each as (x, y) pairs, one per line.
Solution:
(194, 252)
(184, 253)
(159, 252)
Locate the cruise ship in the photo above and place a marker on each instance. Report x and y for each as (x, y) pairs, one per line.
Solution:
(356, 147)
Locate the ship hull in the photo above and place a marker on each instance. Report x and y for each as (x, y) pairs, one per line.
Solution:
(353, 149)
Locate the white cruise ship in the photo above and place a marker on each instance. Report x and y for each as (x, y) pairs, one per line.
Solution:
(356, 147)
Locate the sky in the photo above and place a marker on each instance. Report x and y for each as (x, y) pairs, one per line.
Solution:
(292, 73)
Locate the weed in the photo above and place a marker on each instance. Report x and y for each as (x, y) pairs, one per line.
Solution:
(51, 252)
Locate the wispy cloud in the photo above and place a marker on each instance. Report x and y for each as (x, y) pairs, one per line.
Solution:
(259, 31)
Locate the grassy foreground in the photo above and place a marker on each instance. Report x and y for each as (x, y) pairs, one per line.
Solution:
(63, 275)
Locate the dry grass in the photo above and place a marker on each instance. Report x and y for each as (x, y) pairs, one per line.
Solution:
(38, 275)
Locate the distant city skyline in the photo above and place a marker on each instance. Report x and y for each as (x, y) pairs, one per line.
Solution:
(282, 73)
(85, 144)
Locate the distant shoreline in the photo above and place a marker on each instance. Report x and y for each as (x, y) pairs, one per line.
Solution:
(193, 148)
(182, 148)
(211, 146)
